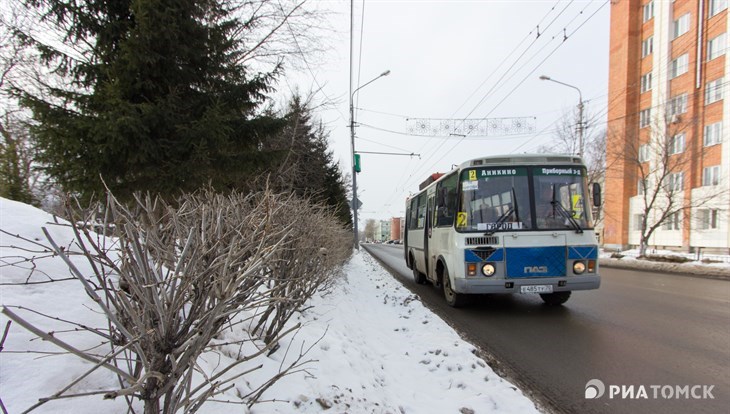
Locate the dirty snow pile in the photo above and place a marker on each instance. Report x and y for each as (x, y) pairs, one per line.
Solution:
(372, 346)
(717, 266)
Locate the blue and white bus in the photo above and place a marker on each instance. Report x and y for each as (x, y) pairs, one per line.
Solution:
(505, 224)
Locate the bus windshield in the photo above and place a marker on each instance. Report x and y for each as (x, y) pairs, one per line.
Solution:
(499, 199)
(494, 199)
(560, 198)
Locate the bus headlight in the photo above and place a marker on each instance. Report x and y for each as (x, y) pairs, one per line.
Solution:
(579, 268)
(488, 270)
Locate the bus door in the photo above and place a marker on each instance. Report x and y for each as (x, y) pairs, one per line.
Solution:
(427, 233)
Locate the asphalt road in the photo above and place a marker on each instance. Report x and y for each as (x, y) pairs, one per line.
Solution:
(640, 328)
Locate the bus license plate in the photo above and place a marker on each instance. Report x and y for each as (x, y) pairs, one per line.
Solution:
(536, 289)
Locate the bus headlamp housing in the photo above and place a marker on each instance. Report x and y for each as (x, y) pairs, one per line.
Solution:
(579, 267)
(488, 270)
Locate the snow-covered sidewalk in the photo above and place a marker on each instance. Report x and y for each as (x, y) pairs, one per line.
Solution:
(385, 352)
(374, 348)
(719, 270)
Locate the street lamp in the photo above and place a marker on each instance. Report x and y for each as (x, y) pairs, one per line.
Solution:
(580, 112)
(352, 147)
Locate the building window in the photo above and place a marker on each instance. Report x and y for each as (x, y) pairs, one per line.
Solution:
(679, 66)
(644, 153)
(716, 47)
(648, 11)
(676, 144)
(707, 218)
(673, 221)
(677, 105)
(644, 118)
(713, 91)
(646, 82)
(713, 134)
(647, 47)
(716, 6)
(638, 221)
(675, 182)
(642, 185)
(681, 26)
(711, 176)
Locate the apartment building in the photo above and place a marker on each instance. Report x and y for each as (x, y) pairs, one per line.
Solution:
(668, 109)
(382, 233)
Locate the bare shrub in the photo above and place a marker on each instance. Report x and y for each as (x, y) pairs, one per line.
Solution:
(316, 247)
(172, 278)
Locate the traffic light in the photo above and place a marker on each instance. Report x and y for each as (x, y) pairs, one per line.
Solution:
(357, 162)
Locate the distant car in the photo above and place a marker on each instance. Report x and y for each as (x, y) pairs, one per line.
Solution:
(390, 242)
(398, 242)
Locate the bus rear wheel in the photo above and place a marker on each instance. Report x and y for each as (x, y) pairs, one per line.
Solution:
(453, 299)
(555, 298)
(418, 277)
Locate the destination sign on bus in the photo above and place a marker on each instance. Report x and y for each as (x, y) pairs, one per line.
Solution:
(499, 226)
(559, 171)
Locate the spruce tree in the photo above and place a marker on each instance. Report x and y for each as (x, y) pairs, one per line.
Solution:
(307, 166)
(159, 101)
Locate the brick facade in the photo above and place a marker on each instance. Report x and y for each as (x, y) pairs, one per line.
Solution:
(678, 31)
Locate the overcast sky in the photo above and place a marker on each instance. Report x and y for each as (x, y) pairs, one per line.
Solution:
(452, 59)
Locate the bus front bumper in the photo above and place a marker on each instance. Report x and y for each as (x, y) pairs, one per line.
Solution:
(483, 285)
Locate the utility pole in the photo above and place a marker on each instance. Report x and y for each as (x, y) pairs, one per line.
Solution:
(580, 112)
(352, 154)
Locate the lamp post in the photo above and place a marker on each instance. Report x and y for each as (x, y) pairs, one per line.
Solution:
(352, 147)
(580, 112)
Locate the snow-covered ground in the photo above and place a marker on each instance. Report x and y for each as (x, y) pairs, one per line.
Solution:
(714, 266)
(374, 348)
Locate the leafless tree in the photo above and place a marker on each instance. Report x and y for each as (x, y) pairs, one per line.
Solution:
(661, 166)
(566, 141)
(16, 176)
(371, 226)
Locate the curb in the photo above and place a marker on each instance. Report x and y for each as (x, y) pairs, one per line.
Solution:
(684, 269)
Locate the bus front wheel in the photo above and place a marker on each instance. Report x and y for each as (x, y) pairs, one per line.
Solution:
(453, 299)
(555, 298)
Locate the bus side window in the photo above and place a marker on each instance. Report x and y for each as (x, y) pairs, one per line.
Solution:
(421, 218)
(446, 201)
(413, 219)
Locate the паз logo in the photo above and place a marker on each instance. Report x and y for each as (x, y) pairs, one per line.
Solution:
(535, 269)
(595, 389)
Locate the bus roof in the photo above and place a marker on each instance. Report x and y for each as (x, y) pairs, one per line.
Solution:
(504, 159)
(523, 159)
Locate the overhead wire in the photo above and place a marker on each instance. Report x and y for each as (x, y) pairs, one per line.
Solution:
(384, 145)
(409, 178)
(514, 50)
(608, 105)
(309, 68)
(444, 154)
(496, 71)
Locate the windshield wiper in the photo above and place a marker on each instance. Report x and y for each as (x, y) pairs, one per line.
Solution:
(506, 215)
(566, 214)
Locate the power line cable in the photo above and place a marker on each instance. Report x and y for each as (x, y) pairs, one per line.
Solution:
(501, 78)
(522, 81)
(498, 84)
(409, 178)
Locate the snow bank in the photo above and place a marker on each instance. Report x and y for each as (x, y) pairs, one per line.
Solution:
(372, 346)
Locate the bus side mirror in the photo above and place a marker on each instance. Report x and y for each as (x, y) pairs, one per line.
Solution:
(596, 195)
